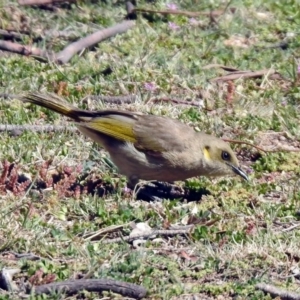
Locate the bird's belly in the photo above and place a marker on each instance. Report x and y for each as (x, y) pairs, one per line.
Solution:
(137, 164)
(134, 163)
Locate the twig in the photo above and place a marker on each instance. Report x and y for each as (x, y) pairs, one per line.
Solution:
(182, 227)
(113, 228)
(226, 68)
(191, 14)
(245, 143)
(10, 34)
(92, 285)
(35, 128)
(147, 235)
(291, 228)
(29, 256)
(66, 54)
(261, 149)
(13, 35)
(43, 2)
(24, 50)
(244, 75)
(112, 99)
(281, 150)
(176, 101)
(277, 292)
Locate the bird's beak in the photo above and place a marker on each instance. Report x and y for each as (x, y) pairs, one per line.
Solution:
(239, 171)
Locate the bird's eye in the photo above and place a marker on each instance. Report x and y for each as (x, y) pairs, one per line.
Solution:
(225, 155)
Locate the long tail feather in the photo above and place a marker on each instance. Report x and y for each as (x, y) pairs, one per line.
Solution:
(53, 102)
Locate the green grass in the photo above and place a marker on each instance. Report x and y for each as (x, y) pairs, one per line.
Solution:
(240, 240)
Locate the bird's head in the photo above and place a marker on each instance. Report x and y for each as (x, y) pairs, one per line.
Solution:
(221, 159)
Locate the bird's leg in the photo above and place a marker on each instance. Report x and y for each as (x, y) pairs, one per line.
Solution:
(144, 192)
(155, 191)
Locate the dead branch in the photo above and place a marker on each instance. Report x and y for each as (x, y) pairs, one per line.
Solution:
(176, 101)
(277, 292)
(244, 75)
(28, 256)
(101, 232)
(112, 99)
(191, 14)
(43, 2)
(66, 54)
(92, 285)
(23, 50)
(226, 68)
(245, 143)
(281, 149)
(147, 235)
(261, 149)
(11, 35)
(291, 228)
(34, 128)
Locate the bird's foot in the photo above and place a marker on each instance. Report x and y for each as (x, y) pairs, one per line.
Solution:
(157, 191)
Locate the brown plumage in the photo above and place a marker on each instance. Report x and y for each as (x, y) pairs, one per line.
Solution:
(146, 146)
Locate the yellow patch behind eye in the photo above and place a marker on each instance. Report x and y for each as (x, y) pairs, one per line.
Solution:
(206, 154)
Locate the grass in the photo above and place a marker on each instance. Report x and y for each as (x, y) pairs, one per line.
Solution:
(245, 233)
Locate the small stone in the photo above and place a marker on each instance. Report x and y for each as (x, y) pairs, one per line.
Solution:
(282, 138)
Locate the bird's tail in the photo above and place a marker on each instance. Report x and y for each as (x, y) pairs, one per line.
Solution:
(53, 102)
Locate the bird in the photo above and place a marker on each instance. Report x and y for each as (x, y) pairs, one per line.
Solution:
(148, 147)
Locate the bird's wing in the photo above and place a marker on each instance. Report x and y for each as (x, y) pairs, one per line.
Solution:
(148, 133)
(158, 134)
(116, 124)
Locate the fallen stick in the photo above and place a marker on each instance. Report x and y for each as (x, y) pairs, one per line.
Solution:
(43, 2)
(92, 285)
(259, 148)
(244, 75)
(148, 235)
(12, 35)
(23, 50)
(66, 54)
(177, 101)
(277, 292)
(112, 99)
(34, 128)
(191, 14)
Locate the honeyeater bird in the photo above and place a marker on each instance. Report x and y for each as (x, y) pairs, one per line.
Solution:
(148, 147)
